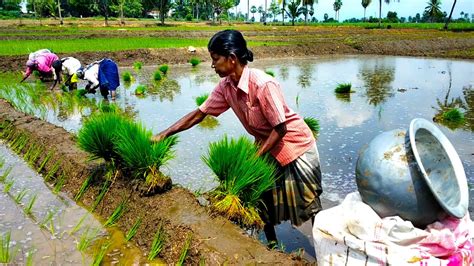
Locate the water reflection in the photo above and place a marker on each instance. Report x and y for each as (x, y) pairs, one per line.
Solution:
(165, 89)
(468, 93)
(377, 79)
(304, 78)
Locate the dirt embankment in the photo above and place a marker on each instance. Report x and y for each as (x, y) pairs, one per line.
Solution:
(215, 240)
(297, 41)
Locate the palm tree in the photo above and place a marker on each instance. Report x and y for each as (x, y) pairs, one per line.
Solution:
(308, 3)
(450, 14)
(433, 9)
(283, 10)
(337, 6)
(61, 22)
(248, 10)
(380, 9)
(253, 9)
(365, 4)
(294, 11)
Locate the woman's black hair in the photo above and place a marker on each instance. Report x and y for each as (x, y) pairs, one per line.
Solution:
(228, 42)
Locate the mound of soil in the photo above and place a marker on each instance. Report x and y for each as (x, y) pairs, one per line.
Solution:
(214, 240)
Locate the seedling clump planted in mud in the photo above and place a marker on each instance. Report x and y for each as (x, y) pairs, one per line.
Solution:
(343, 88)
(133, 231)
(194, 61)
(201, 99)
(164, 69)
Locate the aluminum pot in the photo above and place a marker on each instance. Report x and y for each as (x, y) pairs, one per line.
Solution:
(415, 174)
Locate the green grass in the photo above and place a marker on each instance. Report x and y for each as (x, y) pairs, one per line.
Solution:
(201, 99)
(158, 242)
(133, 231)
(22, 47)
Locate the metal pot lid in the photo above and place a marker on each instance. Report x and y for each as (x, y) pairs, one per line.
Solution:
(440, 166)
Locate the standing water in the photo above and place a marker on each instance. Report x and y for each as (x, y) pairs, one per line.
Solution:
(388, 93)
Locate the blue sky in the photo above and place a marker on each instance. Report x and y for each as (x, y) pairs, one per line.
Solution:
(353, 8)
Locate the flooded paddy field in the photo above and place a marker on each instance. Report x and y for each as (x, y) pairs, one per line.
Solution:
(388, 93)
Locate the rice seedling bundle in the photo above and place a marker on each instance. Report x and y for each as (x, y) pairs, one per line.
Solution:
(194, 61)
(313, 124)
(98, 133)
(453, 115)
(127, 77)
(140, 90)
(343, 88)
(157, 76)
(164, 69)
(201, 98)
(243, 178)
(142, 157)
(270, 72)
(137, 65)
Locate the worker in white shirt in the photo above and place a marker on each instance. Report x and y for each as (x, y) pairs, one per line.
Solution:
(67, 66)
(101, 74)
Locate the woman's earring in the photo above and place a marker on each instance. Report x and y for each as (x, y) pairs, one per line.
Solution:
(233, 62)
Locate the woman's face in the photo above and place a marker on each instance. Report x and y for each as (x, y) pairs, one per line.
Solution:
(222, 64)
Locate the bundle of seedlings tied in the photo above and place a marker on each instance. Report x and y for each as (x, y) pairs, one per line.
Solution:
(126, 147)
(243, 177)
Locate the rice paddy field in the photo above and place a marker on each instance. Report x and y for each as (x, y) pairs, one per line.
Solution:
(354, 80)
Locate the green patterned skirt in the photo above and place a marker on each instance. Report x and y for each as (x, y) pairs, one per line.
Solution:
(295, 196)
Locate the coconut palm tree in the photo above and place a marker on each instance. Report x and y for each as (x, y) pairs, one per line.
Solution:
(337, 6)
(365, 4)
(380, 10)
(308, 3)
(294, 10)
(253, 10)
(433, 9)
(283, 10)
(450, 14)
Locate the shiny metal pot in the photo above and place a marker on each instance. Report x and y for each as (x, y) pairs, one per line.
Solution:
(415, 174)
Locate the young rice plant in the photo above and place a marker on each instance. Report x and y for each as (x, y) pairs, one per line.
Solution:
(164, 69)
(343, 88)
(243, 177)
(313, 124)
(201, 99)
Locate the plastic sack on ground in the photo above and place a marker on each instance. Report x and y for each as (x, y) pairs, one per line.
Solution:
(353, 234)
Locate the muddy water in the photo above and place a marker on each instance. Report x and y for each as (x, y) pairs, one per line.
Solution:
(388, 93)
(54, 228)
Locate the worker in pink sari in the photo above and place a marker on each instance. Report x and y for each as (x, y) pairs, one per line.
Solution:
(44, 64)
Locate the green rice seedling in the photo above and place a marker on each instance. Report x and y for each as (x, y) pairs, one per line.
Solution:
(29, 258)
(157, 76)
(127, 76)
(84, 187)
(31, 203)
(6, 254)
(164, 69)
(20, 195)
(2, 162)
(133, 231)
(5, 174)
(343, 88)
(453, 115)
(48, 219)
(59, 183)
(48, 156)
(103, 191)
(184, 251)
(106, 107)
(137, 65)
(201, 98)
(243, 177)
(270, 72)
(80, 93)
(86, 238)
(8, 185)
(100, 255)
(52, 171)
(142, 157)
(20, 143)
(313, 124)
(140, 90)
(97, 135)
(112, 220)
(158, 242)
(78, 225)
(194, 61)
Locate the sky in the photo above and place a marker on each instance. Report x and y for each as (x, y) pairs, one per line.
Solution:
(353, 8)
